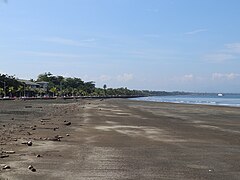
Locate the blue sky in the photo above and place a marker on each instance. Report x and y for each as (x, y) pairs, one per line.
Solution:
(168, 45)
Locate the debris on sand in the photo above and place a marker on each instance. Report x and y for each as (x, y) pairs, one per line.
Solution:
(8, 152)
(46, 119)
(28, 106)
(67, 123)
(56, 138)
(6, 167)
(55, 128)
(3, 155)
(59, 136)
(29, 143)
(30, 167)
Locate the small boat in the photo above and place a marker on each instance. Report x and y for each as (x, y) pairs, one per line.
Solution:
(220, 95)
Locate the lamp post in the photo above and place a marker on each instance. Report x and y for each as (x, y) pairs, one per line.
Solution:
(24, 91)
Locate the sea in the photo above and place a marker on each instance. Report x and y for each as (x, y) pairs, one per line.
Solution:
(207, 99)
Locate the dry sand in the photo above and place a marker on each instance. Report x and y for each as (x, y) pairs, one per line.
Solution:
(118, 139)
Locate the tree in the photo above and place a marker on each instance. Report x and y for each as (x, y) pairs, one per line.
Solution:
(105, 87)
(29, 91)
(82, 92)
(40, 91)
(89, 87)
(53, 90)
(11, 90)
(1, 91)
(20, 90)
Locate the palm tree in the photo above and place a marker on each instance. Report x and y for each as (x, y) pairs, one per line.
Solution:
(105, 87)
(40, 91)
(53, 90)
(82, 92)
(20, 90)
(27, 91)
(11, 90)
(1, 91)
(75, 91)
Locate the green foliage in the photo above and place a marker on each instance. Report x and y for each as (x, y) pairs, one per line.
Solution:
(60, 86)
(53, 90)
(1, 91)
(9, 84)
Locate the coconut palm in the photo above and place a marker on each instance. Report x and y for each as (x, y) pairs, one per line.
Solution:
(11, 90)
(1, 91)
(20, 90)
(53, 90)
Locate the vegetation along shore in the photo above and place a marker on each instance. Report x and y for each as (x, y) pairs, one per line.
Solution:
(50, 86)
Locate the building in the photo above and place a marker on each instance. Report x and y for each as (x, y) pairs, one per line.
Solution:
(29, 84)
(43, 84)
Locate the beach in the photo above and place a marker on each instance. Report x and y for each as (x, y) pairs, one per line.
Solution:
(118, 139)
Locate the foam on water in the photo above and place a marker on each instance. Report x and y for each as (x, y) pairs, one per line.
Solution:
(207, 99)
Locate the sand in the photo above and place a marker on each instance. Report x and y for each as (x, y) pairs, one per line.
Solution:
(118, 139)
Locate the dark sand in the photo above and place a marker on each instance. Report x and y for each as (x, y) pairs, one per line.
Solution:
(119, 139)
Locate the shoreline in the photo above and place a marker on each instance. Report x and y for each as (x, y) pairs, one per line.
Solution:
(111, 97)
(230, 101)
(70, 97)
(181, 103)
(118, 138)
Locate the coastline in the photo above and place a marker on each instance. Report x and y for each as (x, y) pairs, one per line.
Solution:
(190, 104)
(232, 100)
(119, 138)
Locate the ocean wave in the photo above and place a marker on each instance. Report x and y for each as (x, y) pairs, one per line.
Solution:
(210, 100)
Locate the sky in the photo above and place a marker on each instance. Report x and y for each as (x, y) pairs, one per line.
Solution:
(170, 45)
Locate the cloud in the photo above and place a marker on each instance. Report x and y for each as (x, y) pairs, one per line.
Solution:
(125, 77)
(69, 42)
(120, 78)
(195, 31)
(104, 78)
(229, 52)
(233, 47)
(187, 77)
(183, 78)
(62, 41)
(225, 76)
(50, 54)
(219, 57)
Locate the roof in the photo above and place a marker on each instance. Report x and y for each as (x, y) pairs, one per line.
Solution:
(27, 82)
(42, 82)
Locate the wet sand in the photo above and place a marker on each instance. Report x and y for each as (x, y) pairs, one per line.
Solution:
(118, 139)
